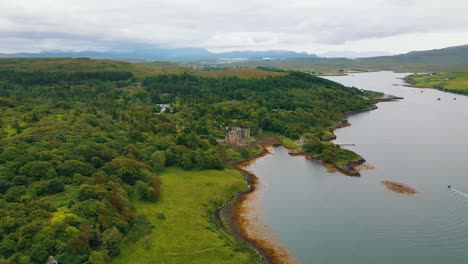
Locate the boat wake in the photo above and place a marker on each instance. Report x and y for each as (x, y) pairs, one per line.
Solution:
(459, 192)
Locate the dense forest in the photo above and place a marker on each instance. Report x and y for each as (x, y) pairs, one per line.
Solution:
(77, 147)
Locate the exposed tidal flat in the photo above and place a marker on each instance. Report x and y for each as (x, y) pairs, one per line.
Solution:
(321, 216)
(397, 187)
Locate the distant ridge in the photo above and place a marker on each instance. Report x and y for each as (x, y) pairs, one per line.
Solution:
(177, 54)
(354, 54)
(270, 54)
(457, 55)
(437, 60)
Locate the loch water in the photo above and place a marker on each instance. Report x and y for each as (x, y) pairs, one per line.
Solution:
(326, 217)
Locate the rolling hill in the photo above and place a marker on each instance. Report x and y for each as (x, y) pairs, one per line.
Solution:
(439, 60)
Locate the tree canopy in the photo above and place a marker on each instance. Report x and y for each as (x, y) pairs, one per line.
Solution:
(77, 147)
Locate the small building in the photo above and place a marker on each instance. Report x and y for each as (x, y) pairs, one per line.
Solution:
(301, 141)
(236, 136)
(164, 108)
(51, 260)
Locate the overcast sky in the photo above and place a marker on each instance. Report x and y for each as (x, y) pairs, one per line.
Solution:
(315, 26)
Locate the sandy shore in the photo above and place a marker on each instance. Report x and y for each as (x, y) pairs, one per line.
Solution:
(252, 228)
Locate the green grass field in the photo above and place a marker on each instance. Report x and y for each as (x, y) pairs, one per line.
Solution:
(452, 81)
(185, 230)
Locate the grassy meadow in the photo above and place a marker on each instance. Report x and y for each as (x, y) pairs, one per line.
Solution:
(456, 82)
(185, 230)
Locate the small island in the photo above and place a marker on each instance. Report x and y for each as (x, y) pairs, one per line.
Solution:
(399, 187)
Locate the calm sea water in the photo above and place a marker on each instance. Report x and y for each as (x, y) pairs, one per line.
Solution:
(327, 217)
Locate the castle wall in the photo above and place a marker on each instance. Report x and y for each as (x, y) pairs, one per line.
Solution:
(237, 135)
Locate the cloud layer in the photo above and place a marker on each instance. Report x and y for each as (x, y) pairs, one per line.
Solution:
(219, 25)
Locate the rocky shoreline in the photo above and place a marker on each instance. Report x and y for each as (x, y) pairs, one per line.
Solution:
(229, 212)
(387, 98)
(349, 169)
(272, 252)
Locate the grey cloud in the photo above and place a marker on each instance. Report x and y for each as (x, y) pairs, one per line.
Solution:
(224, 25)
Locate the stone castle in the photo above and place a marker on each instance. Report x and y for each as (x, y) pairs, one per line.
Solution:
(236, 136)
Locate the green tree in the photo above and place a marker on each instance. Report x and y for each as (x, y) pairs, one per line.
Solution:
(141, 189)
(158, 160)
(36, 169)
(54, 186)
(111, 239)
(14, 193)
(70, 167)
(98, 257)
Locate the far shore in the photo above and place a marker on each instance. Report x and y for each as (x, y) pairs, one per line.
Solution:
(452, 91)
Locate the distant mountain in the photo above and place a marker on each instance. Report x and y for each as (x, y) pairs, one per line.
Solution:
(446, 59)
(178, 54)
(139, 54)
(354, 54)
(270, 54)
(440, 60)
(451, 57)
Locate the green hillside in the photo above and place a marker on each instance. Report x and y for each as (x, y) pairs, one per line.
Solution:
(456, 82)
